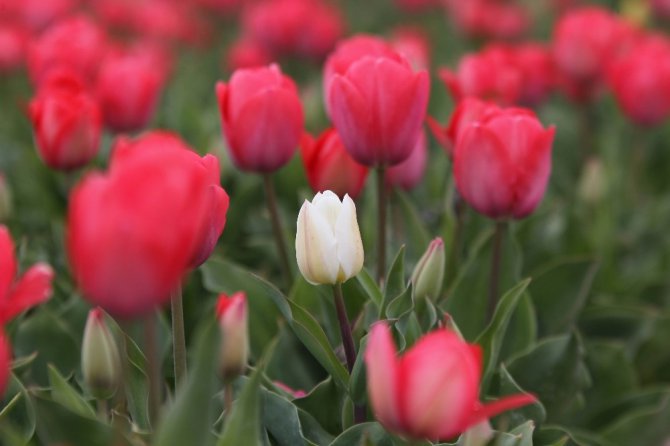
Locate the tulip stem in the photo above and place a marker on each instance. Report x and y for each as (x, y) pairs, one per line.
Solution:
(271, 200)
(153, 366)
(228, 398)
(178, 336)
(382, 198)
(103, 409)
(453, 259)
(494, 278)
(347, 342)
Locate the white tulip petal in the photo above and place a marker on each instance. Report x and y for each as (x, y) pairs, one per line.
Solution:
(349, 244)
(316, 247)
(328, 205)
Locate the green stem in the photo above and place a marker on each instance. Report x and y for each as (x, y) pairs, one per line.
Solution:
(228, 398)
(494, 278)
(382, 198)
(347, 342)
(103, 409)
(271, 200)
(453, 258)
(178, 336)
(154, 369)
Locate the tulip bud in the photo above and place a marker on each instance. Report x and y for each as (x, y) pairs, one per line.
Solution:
(5, 199)
(328, 242)
(5, 363)
(429, 272)
(100, 359)
(441, 372)
(231, 313)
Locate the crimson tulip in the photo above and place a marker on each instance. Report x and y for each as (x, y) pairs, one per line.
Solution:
(13, 44)
(261, 116)
(489, 18)
(329, 166)
(431, 391)
(134, 231)
(247, 53)
(503, 162)
(67, 121)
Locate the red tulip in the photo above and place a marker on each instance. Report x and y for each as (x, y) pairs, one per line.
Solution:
(467, 111)
(37, 14)
(329, 166)
(262, 118)
(20, 294)
(586, 40)
(136, 230)
(431, 391)
(308, 28)
(66, 121)
(502, 163)
(489, 18)
(13, 46)
(232, 314)
(5, 363)
(247, 53)
(207, 166)
(128, 88)
(351, 50)
(378, 105)
(640, 81)
(661, 9)
(491, 74)
(417, 5)
(76, 43)
(537, 70)
(408, 174)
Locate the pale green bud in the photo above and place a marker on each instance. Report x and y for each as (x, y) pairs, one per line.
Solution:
(100, 361)
(429, 272)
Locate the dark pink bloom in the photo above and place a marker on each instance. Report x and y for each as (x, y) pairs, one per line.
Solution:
(13, 46)
(489, 18)
(432, 390)
(330, 167)
(408, 174)
(66, 120)
(502, 163)
(537, 70)
(377, 104)
(247, 53)
(76, 43)
(262, 118)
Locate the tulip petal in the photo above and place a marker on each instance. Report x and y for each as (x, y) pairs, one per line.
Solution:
(490, 410)
(7, 263)
(316, 247)
(532, 180)
(440, 134)
(352, 117)
(349, 243)
(382, 376)
(33, 288)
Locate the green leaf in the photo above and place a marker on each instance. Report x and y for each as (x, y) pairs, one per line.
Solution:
(243, 424)
(646, 426)
(401, 305)
(395, 281)
(267, 305)
(364, 434)
(17, 417)
(324, 403)
(417, 234)
(357, 382)
(532, 412)
(313, 337)
(62, 393)
(189, 418)
(492, 338)
(281, 419)
(520, 436)
(369, 285)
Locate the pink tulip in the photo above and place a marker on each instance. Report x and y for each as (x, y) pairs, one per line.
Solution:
(408, 174)
(467, 111)
(489, 18)
(13, 45)
(431, 391)
(502, 163)
(232, 314)
(640, 81)
(128, 88)
(378, 106)
(66, 120)
(76, 43)
(262, 118)
(329, 166)
(537, 70)
(247, 53)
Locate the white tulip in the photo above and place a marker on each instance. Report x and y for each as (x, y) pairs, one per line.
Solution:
(328, 242)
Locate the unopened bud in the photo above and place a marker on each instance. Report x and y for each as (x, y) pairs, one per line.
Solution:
(100, 360)
(231, 313)
(429, 272)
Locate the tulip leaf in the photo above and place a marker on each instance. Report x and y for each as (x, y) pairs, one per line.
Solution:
(357, 383)
(401, 305)
(646, 426)
(532, 412)
(280, 417)
(313, 337)
(519, 436)
(243, 424)
(324, 403)
(190, 416)
(417, 234)
(267, 305)
(370, 287)
(364, 434)
(17, 416)
(395, 281)
(63, 393)
(492, 338)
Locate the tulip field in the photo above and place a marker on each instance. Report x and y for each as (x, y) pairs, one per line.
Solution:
(335, 222)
